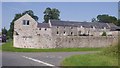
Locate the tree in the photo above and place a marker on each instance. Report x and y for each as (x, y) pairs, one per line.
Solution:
(17, 16)
(4, 31)
(31, 13)
(51, 14)
(94, 20)
(11, 30)
(118, 22)
(106, 18)
(4, 34)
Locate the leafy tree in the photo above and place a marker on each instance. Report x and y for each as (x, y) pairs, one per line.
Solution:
(4, 34)
(4, 31)
(51, 14)
(17, 16)
(31, 13)
(118, 22)
(94, 20)
(10, 31)
(106, 18)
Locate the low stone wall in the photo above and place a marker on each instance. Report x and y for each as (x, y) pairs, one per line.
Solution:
(84, 41)
(64, 41)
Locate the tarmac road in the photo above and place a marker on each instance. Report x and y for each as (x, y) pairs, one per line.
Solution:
(36, 58)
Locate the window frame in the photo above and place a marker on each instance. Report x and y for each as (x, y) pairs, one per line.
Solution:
(26, 22)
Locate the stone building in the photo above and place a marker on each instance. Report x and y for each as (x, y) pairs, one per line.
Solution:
(28, 33)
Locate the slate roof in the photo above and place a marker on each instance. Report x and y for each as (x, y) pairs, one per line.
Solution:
(99, 25)
(78, 24)
(113, 27)
(43, 25)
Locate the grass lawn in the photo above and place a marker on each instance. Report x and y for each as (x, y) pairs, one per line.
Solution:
(90, 60)
(9, 47)
(107, 57)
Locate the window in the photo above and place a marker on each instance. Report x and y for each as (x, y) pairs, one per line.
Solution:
(91, 26)
(39, 28)
(64, 32)
(71, 33)
(26, 22)
(57, 32)
(45, 29)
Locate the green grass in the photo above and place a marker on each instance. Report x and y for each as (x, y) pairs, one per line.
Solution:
(9, 47)
(90, 60)
(0, 48)
(107, 57)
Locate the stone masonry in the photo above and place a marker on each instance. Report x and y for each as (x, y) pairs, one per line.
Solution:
(30, 34)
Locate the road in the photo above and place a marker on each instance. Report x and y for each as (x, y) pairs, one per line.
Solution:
(36, 58)
(0, 58)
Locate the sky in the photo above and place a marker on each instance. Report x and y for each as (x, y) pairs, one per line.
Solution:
(119, 10)
(60, 0)
(0, 16)
(69, 11)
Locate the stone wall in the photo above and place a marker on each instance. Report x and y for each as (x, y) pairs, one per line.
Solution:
(30, 36)
(76, 31)
(84, 41)
(40, 39)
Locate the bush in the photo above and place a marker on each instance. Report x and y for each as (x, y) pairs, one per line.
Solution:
(111, 51)
(104, 33)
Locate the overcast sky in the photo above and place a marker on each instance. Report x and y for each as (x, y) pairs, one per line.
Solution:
(72, 11)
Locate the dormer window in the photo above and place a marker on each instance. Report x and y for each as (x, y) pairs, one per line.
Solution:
(26, 22)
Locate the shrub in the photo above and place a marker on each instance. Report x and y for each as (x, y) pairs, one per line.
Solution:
(104, 33)
(111, 51)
